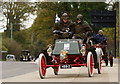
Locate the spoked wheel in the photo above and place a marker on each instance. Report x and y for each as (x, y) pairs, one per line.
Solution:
(56, 69)
(90, 64)
(42, 66)
(99, 59)
(106, 59)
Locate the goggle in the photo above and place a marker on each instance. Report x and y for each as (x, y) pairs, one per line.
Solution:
(79, 19)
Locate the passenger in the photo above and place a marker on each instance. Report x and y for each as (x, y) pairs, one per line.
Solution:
(82, 28)
(65, 25)
(83, 31)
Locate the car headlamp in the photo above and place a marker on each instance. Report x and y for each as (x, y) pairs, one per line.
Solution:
(83, 50)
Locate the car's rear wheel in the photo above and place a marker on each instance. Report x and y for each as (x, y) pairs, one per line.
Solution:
(111, 62)
(100, 66)
(111, 59)
(90, 64)
(99, 59)
(106, 62)
(56, 69)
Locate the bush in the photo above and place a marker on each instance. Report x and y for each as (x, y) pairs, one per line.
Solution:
(12, 46)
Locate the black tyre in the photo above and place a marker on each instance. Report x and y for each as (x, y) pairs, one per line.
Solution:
(111, 62)
(106, 62)
(56, 69)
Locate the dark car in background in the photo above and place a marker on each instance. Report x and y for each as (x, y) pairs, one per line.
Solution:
(25, 56)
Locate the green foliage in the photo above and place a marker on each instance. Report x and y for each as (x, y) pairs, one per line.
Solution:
(4, 48)
(86, 7)
(12, 47)
(109, 32)
(117, 27)
(41, 30)
(42, 27)
(73, 8)
(22, 36)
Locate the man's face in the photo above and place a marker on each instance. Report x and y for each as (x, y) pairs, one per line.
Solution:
(78, 21)
(65, 20)
(100, 34)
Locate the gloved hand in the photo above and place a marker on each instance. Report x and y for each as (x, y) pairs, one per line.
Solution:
(88, 34)
(83, 35)
(65, 34)
(56, 36)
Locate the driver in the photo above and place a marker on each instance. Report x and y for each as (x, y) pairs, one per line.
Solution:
(65, 25)
(101, 38)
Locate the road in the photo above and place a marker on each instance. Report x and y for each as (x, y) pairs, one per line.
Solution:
(28, 72)
(11, 69)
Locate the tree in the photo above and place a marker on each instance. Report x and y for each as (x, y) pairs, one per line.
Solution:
(116, 7)
(73, 8)
(16, 13)
(22, 36)
(41, 30)
(109, 32)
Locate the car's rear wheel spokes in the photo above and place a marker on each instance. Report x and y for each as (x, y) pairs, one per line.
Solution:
(91, 64)
(43, 68)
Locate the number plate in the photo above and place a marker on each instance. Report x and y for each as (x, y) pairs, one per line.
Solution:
(66, 66)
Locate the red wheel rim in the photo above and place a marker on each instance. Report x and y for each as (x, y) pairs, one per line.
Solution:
(91, 64)
(56, 69)
(43, 66)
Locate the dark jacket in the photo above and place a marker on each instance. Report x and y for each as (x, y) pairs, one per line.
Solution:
(61, 26)
(100, 39)
(64, 26)
(82, 28)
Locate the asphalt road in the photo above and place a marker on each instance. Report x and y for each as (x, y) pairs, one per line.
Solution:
(11, 69)
(28, 72)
